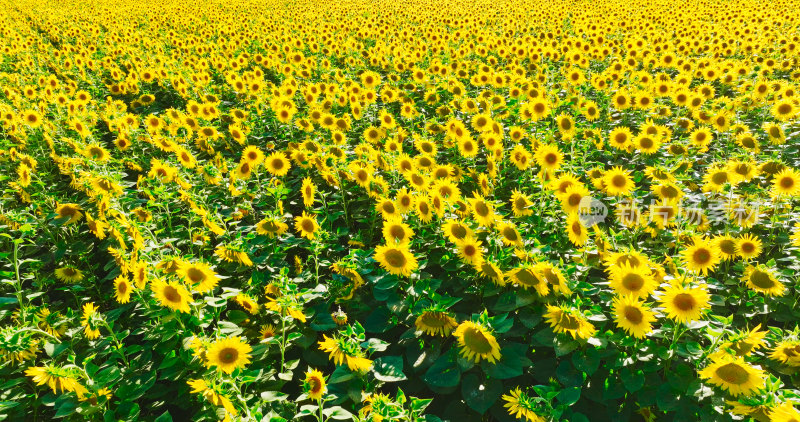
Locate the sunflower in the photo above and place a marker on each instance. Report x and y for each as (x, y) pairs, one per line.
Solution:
(470, 251)
(435, 323)
(306, 225)
(576, 231)
(396, 231)
(748, 246)
(89, 320)
(552, 276)
(509, 234)
(520, 405)
(482, 210)
(786, 183)
(278, 164)
(198, 274)
(726, 245)
(69, 213)
(549, 157)
(762, 279)
(621, 138)
(525, 276)
(314, 384)
(784, 412)
(702, 257)
(521, 204)
(308, 191)
(787, 351)
(573, 198)
(784, 110)
(69, 274)
(423, 208)
(58, 379)
(633, 316)
(477, 342)
(271, 227)
(744, 343)
(571, 321)
(566, 125)
(456, 230)
(172, 295)
(636, 281)
(122, 289)
(396, 259)
(341, 351)
(491, 271)
(685, 304)
(618, 182)
(247, 303)
(734, 375)
(213, 393)
(228, 354)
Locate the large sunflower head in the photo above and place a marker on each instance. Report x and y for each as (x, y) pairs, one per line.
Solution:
(396, 259)
(568, 320)
(762, 279)
(477, 342)
(434, 323)
(228, 354)
(733, 374)
(636, 281)
(314, 384)
(685, 304)
(172, 295)
(633, 316)
(198, 274)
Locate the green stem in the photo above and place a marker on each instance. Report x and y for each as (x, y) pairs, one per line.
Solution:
(18, 285)
(120, 348)
(321, 417)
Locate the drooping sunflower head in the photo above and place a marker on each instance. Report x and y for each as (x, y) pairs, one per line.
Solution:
(435, 323)
(477, 342)
(571, 321)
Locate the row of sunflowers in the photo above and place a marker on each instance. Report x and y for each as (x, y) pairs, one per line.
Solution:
(407, 211)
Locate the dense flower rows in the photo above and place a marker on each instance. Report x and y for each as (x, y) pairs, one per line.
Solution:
(418, 211)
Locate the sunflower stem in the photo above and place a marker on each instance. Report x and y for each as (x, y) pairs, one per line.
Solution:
(321, 417)
(283, 341)
(18, 284)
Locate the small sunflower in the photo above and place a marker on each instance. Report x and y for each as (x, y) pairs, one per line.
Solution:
(314, 384)
(618, 182)
(520, 405)
(122, 289)
(278, 164)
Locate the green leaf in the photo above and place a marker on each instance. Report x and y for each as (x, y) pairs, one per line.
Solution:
(444, 372)
(587, 361)
(165, 417)
(632, 379)
(511, 363)
(480, 395)
(337, 413)
(569, 395)
(389, 369)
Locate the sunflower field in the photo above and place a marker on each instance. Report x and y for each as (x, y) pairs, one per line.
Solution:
(485, 210)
